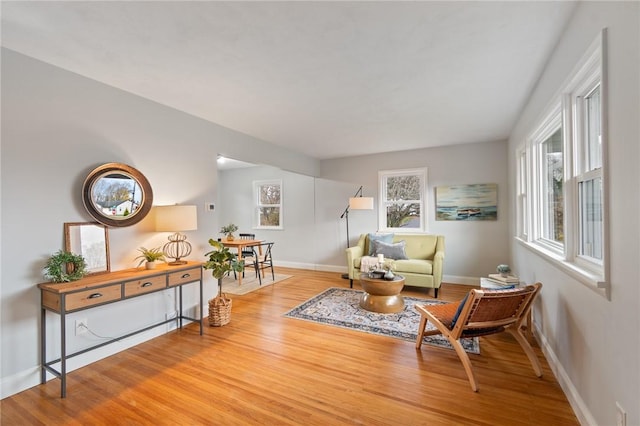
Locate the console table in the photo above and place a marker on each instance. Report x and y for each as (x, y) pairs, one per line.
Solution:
(101, 289)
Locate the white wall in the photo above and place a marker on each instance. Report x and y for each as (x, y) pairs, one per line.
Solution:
(58, 126)
(473, 248)
(594, 343)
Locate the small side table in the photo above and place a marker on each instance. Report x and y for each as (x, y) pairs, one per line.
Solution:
(380, 295)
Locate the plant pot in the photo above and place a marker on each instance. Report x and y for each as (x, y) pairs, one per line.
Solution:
(230, 237)
(151, 265)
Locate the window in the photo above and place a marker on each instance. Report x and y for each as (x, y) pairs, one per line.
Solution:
(268, 198)
(402, 200)
(561, 191)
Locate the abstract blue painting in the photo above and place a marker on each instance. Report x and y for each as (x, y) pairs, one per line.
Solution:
(467, 202)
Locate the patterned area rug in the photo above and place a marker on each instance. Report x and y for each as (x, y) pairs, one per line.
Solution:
(340, 307)
(249, 283)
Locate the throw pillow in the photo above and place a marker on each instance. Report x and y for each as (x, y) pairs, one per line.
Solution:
(393, 251)
(387, 238)
(457, 314)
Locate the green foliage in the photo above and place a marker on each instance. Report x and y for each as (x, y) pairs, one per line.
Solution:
(221, 260)
(150, 255)
(65, 266)
(229, 229)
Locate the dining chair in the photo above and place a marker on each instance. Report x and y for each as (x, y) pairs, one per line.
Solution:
(265, 262)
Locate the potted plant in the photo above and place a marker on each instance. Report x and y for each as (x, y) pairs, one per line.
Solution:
(228, 230)
(65, 266)
(503, 270)
(221, 262)
(150, 256)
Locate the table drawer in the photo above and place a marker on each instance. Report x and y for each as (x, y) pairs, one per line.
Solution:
(185, 276)
(145, 285)
(95, 296)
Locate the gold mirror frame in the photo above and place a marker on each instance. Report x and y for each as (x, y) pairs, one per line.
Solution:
(91, 241)
(117, 195)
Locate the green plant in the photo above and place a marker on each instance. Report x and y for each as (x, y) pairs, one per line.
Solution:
(150, 255)
(65, 266)
(229, 229)
(221, 260)
(503, 269)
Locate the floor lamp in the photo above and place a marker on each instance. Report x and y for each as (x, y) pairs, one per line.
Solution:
(357, 202)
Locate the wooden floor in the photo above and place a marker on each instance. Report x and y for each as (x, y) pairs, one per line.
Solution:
(265, 369)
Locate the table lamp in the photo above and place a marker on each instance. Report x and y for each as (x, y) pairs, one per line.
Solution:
(175, 219)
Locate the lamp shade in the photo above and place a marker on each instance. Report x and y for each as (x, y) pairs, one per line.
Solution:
(361, 203)
(176, 218)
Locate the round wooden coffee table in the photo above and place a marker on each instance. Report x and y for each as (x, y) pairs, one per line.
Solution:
(381, 295)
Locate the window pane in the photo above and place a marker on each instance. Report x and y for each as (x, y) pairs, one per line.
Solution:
(269, 216)
(553, 213)
(590, 193)
(593, 148)
(403, 188)
(270, 194)
(403, 215)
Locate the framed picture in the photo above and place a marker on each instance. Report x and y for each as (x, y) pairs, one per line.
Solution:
(467, 202)
(91, 240)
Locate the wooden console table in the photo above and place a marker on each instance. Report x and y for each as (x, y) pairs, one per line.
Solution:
(101, 289)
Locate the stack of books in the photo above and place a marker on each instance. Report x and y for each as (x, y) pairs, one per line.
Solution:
(498, 282)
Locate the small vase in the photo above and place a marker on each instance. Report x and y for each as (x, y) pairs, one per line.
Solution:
(389, 275)
(230, 237)
(150, 265)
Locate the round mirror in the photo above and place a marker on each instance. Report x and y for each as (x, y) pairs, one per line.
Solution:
(117, 195)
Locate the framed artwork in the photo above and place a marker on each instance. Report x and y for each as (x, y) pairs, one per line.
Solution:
(467, 202)
(91, 240)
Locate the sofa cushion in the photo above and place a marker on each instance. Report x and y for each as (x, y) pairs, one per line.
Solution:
(414, 266)
(387, 238)
(391, 250)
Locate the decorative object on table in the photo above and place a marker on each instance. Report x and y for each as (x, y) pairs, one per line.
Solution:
(176, 218)
(221, 262)
(357, 202)
(389, 275)
(503, 270)
(116, 194)
(91, 241)
(228, 230)
(150, 257)
(64, 266)
(339, 307)
(467, 202)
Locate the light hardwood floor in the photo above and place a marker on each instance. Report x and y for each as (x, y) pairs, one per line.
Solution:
(265, 369)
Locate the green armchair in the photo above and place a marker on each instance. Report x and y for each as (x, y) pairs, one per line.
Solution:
(423, 268)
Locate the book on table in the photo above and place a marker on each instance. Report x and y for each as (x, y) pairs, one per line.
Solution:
(507, 279)
(491, 284)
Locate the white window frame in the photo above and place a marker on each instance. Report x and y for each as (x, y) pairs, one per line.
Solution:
(588, 74)
(257, 204)
(382, 205)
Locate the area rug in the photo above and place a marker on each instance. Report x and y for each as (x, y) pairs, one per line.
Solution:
(340, 307)
(249, 283)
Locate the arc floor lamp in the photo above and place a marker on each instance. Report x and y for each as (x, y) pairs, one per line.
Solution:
(357, 202)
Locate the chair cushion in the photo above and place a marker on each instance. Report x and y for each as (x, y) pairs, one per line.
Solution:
(390, 250)
(458, 311)
(387, 238)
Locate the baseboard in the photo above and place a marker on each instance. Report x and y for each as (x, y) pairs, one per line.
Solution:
(571, 392)
(30, 377)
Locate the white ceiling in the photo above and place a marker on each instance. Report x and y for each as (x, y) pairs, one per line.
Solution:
(328, 79)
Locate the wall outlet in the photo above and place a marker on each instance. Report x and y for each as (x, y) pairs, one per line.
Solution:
(621, 415)
(209, 206)
(82, 326)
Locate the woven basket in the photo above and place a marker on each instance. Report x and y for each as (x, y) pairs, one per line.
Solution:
(219, 311)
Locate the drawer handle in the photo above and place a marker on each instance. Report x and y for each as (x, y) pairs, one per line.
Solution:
(186, 276)
(95, 295)
(147, 284)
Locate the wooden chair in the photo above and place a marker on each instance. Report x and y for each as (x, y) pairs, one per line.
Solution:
(265, 262)
(248, 253)
(481, 313)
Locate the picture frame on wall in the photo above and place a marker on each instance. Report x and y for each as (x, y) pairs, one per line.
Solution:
(469, 202)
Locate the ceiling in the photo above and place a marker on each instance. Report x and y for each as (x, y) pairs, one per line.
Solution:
(327, 79)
